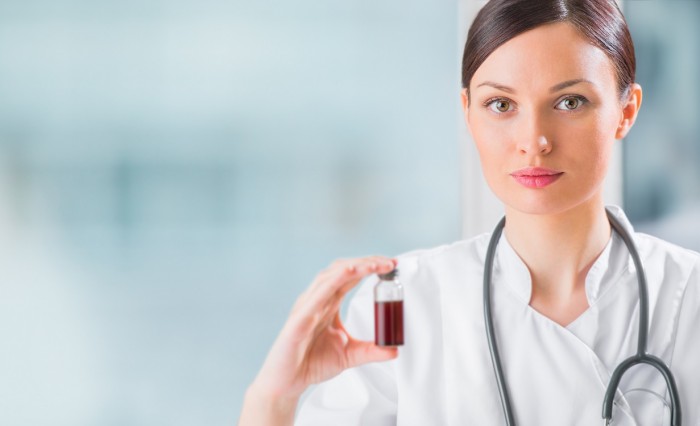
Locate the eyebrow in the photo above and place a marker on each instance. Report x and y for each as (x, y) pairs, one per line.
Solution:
(555, 88)
(565, 84)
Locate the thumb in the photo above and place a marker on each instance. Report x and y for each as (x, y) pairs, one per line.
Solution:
(361, 352)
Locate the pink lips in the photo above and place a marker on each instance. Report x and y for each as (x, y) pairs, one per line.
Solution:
(536, 177)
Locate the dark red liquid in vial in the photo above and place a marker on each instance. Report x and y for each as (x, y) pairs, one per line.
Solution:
(388, 323)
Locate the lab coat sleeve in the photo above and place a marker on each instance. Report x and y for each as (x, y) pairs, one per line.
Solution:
(686, 355)
(364, 395)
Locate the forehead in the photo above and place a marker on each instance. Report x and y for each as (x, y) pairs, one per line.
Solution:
(544, 56)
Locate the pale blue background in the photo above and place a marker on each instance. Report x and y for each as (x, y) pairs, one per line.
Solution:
(662, 154)
(173, 173)
(177, 171)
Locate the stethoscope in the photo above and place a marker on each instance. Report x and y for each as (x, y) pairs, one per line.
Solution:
(642, 357)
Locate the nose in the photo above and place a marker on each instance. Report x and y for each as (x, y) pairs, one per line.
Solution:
(534, 139)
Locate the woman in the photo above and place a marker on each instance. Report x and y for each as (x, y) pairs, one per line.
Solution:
(548, 88)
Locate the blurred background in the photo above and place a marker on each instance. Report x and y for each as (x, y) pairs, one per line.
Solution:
(174, 173)
(662, 153)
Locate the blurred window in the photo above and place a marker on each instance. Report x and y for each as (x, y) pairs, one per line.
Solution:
(662, 152)
(199, 162)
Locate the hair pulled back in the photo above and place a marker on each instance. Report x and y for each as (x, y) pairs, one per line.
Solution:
(600, 21)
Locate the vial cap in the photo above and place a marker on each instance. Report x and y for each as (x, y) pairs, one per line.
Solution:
(389, 276)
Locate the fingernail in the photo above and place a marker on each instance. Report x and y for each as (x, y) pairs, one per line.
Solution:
(373, 267)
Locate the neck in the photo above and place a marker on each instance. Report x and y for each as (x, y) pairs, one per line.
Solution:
(560, 248)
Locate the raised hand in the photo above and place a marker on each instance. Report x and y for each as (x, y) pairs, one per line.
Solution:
(313, 345)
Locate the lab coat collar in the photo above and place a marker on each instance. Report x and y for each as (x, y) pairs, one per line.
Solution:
(613, 261)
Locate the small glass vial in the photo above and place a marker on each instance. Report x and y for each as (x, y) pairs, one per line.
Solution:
(388, 310)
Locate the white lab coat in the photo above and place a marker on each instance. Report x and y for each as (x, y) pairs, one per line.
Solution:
(557, 375)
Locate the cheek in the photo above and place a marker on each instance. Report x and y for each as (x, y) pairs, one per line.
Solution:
(491, 149)
(491, 142)
(494, 148)
(589, 143)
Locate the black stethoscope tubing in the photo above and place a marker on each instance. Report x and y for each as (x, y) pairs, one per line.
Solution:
(641, 357)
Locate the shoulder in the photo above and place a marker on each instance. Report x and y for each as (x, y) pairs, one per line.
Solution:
(673, 274)
(425, 274)
(472, 250)
(668, 256)
(433, 271)
(654, 251)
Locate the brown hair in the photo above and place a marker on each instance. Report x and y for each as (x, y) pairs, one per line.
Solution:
(599, 21)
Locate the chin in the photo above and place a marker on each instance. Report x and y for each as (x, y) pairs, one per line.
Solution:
(546, 204)
(539, 209)
(539, 201)
(555, 199)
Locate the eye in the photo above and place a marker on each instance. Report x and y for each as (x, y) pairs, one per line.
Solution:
(571, 103)
(499, 105)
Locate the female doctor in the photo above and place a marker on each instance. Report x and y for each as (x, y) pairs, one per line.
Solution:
(548, 88)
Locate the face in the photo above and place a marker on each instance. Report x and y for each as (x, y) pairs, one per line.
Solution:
(544, 114)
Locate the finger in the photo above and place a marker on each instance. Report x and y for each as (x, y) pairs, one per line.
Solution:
(327, 287)
(333, 309)
(360, 352)
(330, 272)
(380, 265)
(333, 290)
(313, 306)
(364, 265)
(359, 269)
(313, 311)
(319, 281)
(331, 315)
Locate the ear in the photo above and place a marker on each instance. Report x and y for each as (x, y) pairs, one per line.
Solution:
(465, 107)
(630, 109)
